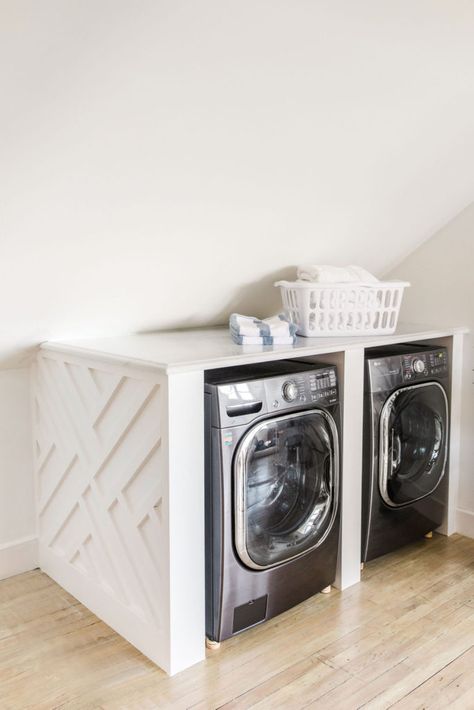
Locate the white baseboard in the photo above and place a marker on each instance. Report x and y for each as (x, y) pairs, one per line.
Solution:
(465, 522)
(18, 556)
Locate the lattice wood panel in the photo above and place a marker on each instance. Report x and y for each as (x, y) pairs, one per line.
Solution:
(100, 473)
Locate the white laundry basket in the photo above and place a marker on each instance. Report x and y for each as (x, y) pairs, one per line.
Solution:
(342, 308)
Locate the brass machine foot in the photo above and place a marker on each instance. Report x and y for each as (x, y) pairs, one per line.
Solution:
(213, 645)
(429, 535)
(361, 566)
(326, 590)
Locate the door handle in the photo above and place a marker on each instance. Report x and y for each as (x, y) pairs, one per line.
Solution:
(396, 456)
(436, 445)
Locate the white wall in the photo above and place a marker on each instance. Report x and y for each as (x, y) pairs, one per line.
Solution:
(441, 273)
(163, 161)
(17, 512)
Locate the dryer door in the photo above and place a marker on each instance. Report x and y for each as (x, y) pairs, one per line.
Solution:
(286, 487)
(413, 443)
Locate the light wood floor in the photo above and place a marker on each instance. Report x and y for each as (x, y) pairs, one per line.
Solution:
(402, 638)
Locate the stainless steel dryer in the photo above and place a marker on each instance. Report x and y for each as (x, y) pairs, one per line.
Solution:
(406, 435)
(272, 490)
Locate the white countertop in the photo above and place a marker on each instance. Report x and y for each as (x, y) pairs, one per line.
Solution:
(208, 348)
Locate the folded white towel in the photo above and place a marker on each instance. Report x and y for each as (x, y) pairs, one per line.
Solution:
(335, 274)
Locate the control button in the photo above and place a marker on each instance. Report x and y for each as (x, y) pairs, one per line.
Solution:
(289, 391)
(275, 403)
(418, 366)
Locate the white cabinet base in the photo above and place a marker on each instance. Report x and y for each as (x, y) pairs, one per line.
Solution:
(119, 481)
(119, 450)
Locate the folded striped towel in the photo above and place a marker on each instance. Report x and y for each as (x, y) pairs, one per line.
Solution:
(278, 325)
(263, 340)
(277, 330)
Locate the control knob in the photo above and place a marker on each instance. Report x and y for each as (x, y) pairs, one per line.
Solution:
(290, 391)
(418, 365)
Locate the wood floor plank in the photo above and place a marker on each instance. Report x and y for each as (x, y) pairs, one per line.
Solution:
(427, 660)
(318, 680)
(268, 687)
(356, 693)
(453, 683)
(402, 637)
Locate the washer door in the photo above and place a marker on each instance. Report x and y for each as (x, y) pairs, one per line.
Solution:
(286, 487)
(413, 443)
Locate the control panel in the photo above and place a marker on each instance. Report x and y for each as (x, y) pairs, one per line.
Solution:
(241, 394)
(312, 386)
(317, 386)
(412, 366)
(431, 363)
(323, 385)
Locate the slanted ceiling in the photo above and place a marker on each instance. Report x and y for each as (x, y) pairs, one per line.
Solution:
(163, 161)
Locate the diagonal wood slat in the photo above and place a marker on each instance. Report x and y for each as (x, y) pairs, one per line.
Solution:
(98, 455)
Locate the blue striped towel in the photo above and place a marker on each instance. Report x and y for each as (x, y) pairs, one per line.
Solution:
(277, 330)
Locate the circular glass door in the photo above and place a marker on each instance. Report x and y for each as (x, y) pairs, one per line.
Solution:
(413, 443)
(286, 485)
